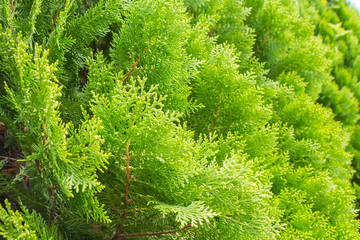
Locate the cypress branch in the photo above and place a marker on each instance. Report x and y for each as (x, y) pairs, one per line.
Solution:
(261, 44)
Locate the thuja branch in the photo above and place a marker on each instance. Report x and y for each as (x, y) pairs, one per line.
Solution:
(261, 44)
(127, 201)
(152, 233)
(130, 72)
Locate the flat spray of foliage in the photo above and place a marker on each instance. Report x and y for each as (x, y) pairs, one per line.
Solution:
(194, 119)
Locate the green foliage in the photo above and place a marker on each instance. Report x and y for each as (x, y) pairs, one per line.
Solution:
(154, 30)
(195, 119)
(285, 42)
(338, 25)
(342, 102)
(194, 193)
(66, 158)
(24, 225)
(303, 223)
(220, 88)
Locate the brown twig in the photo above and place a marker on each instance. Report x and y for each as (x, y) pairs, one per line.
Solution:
(130, 72)
(211, 30)
(116, 235)
(12, 13)
(178, 235)
(38, 164)
(127, 175)
(261, 44)
(55, 19)
(216, 116)
(152, 233)
(127, 201)
(52, 219)
(9, 158)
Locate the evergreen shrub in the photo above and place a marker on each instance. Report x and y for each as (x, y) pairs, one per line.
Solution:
(194, 119)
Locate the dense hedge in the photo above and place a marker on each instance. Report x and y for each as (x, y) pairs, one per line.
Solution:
(194, 119)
